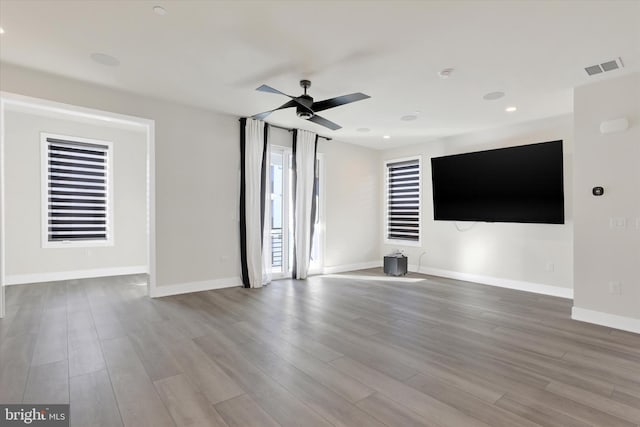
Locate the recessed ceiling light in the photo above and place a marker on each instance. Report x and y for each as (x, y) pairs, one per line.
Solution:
(104, 59)
(159, 10)
(363, 129)
(1, 30)
(409, 118)
(492, 96)
(510, 109)
(387, 136)
(445, 73)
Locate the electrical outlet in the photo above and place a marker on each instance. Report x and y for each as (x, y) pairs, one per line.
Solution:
(618, 222)
(615, 288)
(637, 223)
(550, 267)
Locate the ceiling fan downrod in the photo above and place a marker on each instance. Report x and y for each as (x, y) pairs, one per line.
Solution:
(305, 85)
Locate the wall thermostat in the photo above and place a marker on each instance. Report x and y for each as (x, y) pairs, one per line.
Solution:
(597, 191)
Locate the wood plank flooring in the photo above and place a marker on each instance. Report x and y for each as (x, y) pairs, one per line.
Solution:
(353, 349)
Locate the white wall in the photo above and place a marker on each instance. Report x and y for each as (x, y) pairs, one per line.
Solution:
(352, 177)
(197, 178)
(536, 257)
(197, 183)
(604, 254)
(351, 203)
(26, 260)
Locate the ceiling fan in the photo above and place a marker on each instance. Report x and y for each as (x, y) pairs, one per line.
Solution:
(306, 108)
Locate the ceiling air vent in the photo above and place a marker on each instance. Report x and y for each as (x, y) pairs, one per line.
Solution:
(605, 66)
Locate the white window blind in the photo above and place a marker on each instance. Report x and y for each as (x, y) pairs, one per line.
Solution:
(77, 190)
(403, 200)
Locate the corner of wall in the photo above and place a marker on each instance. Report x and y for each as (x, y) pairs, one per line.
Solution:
(606, 319)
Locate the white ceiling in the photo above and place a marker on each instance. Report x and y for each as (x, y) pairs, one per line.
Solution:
(213, 54)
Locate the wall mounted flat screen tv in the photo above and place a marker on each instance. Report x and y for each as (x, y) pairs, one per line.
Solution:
(515, 184)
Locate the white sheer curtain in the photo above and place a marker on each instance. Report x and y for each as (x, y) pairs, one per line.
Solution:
(254, 203)
(266, 213)
(304, 152)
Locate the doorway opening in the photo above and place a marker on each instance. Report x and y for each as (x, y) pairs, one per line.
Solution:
(67, 183)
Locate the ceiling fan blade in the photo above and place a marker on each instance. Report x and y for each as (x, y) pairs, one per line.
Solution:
(261, 116)
(324, 122)
(340, 100)
(269, 89)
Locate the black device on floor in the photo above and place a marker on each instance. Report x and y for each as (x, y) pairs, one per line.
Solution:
(395, 265)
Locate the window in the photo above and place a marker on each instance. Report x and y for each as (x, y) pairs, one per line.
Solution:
(76, 194)
(403, 201)
(279, 180)
(282, 214)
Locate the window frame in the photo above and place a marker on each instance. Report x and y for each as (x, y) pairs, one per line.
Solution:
(396, 241)
(44, 200)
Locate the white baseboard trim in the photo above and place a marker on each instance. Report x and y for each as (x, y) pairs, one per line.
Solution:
(185, 288)
(21, 279)
(351, 267)
(520, 285)
(605, 319)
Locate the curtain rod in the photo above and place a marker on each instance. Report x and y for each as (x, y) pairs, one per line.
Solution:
(291, 130)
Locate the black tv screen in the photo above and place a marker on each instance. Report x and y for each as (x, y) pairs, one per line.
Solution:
(515, 184)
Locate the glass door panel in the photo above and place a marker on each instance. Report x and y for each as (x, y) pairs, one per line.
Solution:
(281, 221)
(277, 178)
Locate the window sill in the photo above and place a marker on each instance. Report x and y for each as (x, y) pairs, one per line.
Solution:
(87, 244)
(403, 243)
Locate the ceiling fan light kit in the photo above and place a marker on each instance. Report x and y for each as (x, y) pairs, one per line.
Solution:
(306, 108)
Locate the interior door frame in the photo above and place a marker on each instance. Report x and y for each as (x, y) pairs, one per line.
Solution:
(8, 99)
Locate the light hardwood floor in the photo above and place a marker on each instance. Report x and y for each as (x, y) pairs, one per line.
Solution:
(358, 349)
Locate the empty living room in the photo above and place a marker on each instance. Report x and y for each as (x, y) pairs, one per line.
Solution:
(320, 213)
